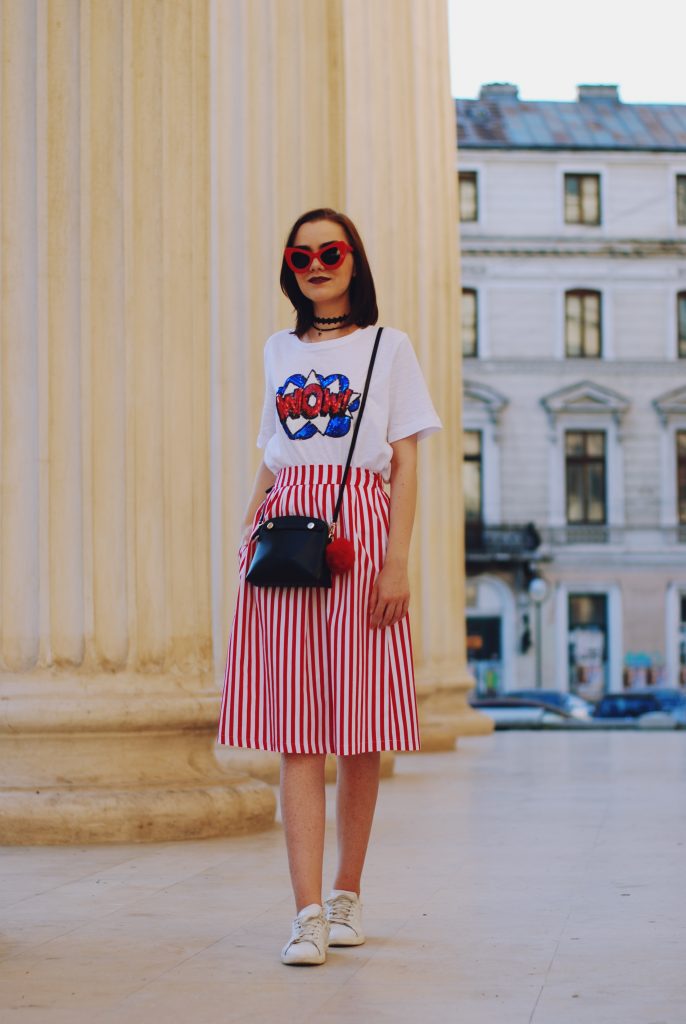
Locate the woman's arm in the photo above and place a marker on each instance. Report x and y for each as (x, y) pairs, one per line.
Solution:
(390, 597)
(264, 479)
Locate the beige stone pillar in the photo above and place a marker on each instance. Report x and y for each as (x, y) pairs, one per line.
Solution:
(153, 155)
(400, 122)
(108, 706)
(345, 104)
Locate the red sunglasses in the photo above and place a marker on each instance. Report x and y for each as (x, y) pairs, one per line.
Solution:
(330, 255)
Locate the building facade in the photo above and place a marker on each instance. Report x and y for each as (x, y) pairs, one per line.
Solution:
(573, 237)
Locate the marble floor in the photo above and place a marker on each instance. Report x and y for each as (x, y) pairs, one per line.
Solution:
(531, 878)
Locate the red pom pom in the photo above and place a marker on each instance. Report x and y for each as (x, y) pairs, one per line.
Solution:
(340, 555)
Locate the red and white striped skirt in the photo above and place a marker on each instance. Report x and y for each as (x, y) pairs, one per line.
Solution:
(305, 673)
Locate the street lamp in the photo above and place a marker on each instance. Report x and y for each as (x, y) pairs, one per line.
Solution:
(538, 591)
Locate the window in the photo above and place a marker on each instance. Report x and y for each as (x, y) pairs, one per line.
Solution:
(582, 324)
(472, 476)
(582, 199)
(681, 198)
(585, 476)
(587, 644)
(681, 324)
(470, 333)
(469, 198)
(681, 476)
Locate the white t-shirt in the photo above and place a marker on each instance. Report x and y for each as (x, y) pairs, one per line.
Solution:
(313, 392)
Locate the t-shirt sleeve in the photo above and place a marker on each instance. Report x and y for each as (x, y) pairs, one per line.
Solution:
(268, 421)
(411, 410)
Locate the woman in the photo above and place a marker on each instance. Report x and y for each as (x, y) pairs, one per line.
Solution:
(312, 670)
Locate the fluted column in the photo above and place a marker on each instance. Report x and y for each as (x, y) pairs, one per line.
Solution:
(153, 155)
(108, 707)
(400, 121)
(376, 138)
(20, 256)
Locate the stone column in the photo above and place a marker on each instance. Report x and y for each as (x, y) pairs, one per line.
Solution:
(108, 707)
(376, 138)
(400, 121)
(153, 155)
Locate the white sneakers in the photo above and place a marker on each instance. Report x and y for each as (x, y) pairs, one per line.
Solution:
(344, 914)
(337, 923)
(309, 937)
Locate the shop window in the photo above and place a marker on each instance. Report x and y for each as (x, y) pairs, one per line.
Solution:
(588, 645)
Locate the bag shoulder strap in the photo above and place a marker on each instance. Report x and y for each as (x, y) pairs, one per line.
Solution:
(356, 428)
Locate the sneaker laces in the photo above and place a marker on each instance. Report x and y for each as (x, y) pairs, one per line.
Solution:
(311, 929)
(340, 908)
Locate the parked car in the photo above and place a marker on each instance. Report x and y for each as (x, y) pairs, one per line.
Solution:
(509, 712)
(643, 707)
(671, 702)
(569, 702)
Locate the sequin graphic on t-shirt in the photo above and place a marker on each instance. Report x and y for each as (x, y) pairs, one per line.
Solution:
(316, 405)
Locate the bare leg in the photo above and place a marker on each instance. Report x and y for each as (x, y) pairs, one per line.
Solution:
(356, 792)
(303, 810)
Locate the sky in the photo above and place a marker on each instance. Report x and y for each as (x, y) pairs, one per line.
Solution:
(548, 47)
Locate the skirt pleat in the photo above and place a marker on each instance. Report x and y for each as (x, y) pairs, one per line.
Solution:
(305, 673)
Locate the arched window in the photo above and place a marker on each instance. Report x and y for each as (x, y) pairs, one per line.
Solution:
(583, 333)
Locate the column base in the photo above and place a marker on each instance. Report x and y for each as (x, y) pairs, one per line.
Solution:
(118, 758)
(444, 712)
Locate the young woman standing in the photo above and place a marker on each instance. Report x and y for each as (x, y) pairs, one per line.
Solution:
(313, 670)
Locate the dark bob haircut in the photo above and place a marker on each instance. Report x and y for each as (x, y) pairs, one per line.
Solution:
(362, 293)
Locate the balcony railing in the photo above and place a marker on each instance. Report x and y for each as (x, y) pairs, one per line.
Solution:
(633, 537)
(500, 541)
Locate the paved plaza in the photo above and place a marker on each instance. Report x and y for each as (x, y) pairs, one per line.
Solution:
(531, 878)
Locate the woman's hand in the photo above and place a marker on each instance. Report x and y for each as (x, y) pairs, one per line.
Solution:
(390, 597)
(264, 481)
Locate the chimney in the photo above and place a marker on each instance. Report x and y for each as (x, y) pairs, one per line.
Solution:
(499, 91)
(593, 93)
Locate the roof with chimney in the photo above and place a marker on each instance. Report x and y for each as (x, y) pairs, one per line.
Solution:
(598, 119)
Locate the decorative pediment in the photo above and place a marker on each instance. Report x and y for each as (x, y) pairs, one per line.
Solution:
(477, 397)
(585, 397)
(672, 403)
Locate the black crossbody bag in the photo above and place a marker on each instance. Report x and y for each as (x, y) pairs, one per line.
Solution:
(291, 550)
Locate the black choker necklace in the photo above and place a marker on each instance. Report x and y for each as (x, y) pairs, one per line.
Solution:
(330, 319)
(336, 327)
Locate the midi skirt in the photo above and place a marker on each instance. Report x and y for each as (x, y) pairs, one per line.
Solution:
(305, 672)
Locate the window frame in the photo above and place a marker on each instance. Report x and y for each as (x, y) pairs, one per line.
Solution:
(471, 174)
(680, 476)
(582, 293)
(586, 585)
(680, 337)
(580, 175)
(480, 460)
(679, 179)
(468, 290)
(586, 461)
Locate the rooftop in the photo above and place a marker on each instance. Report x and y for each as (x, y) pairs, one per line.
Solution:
(597, 120)
(527, 878)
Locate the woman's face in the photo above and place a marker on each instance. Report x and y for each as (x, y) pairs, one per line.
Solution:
(321, 283)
